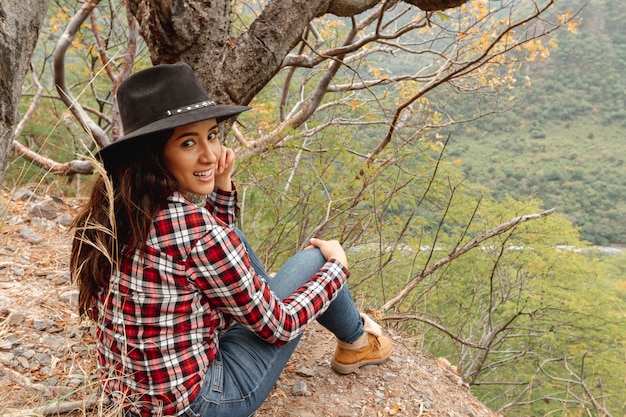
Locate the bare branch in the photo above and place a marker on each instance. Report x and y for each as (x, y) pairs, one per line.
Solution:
(447, 72)
(460, 251)
(54, 167)
(31, 107)
(576, 380)
(59, 74)
(68, 168)
(408, 317)
(61, 407)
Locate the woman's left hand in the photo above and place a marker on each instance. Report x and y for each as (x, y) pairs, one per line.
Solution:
(224, 168)
(331, 249)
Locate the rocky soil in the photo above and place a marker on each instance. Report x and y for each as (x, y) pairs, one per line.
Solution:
(46, 354)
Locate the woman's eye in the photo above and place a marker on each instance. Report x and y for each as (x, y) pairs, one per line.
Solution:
(187, 143)
(215, 134)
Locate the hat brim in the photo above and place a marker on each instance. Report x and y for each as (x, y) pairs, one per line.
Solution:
(111, 152)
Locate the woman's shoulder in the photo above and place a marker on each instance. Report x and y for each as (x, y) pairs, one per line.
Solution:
(181, 223)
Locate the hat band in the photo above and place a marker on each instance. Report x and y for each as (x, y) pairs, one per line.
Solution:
(191, 107)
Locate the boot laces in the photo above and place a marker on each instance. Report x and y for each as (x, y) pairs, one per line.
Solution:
(376, 343)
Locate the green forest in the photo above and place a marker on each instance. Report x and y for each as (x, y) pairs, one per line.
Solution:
(562, 139)
(533, 317)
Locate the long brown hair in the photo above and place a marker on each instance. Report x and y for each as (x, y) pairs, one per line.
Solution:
(116, 219)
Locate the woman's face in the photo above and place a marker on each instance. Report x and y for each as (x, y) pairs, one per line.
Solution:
(191, 154)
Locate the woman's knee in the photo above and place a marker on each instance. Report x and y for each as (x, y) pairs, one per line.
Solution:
(296, 272)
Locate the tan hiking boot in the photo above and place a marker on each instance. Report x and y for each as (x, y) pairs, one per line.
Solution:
(370, 349)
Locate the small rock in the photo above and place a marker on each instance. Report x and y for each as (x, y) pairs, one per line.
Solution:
(59, 278)
(17, 270)
(44, 209)
(5, 345)
(41, 224)
(389, 376)
(52, 381)
(6, 358)
(279, 385)
(53, 341)
(65, 220)
(76, 379)
(23, 194)
(44, 359)
(9, 342)
(379, 395)
(300, 389)
(30, 235)
(41, 325)
(16, 219)
(15, 317)
(305, 371)
(70, 297)
(29, 353)
(54, 329)
(20, 361)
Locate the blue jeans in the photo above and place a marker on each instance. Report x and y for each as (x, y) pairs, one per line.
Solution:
(247, 368)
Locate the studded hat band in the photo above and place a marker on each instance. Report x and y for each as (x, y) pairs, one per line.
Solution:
(190, 107)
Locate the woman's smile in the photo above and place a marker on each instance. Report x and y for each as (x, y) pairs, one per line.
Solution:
(204, 175)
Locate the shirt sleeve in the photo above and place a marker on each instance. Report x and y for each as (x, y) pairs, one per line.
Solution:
(223, 205)
(220, 267)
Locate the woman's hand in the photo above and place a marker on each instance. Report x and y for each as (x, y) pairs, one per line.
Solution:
(224, 168)
(331, 249)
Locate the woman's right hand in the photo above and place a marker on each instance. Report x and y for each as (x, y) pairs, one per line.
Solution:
(331, 249)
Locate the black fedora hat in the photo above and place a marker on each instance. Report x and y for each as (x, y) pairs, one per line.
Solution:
(161, 98)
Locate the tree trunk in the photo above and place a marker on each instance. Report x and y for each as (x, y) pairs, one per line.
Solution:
(20, 21)
(235, 67)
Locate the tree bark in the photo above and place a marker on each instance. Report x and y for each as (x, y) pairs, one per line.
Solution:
(20, 22)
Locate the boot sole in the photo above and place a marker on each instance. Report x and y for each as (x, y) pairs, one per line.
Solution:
(343, 368)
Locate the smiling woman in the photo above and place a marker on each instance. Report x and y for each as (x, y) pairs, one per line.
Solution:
(194, 155)
(188, 320)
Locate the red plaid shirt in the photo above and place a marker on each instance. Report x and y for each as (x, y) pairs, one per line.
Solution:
(162, 314)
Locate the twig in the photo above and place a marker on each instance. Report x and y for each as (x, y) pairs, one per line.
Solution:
(60, 407)
(405, 317)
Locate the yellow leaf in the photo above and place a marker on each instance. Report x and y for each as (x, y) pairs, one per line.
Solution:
(394, 410)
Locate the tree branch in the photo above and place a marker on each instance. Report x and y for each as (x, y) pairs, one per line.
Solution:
(460, 251)
(59, 74)
(61, 407)
(578, 380)
(447, 68)
(405, 317)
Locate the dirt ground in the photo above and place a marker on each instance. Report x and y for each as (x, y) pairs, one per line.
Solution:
(46, 354)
